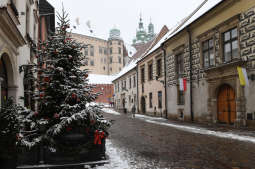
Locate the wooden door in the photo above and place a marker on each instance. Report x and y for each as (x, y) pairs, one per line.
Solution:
(226, 105)
(143, 104)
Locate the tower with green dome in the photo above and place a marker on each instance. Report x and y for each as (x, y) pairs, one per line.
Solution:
(141, 35)
(116, 51)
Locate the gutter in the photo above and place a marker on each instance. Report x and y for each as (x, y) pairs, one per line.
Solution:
(137, 89)
(164, 55)
(190, 76)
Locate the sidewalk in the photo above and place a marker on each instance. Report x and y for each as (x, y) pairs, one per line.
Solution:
(218, 130)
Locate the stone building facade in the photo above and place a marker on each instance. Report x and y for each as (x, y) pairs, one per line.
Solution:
(105, 57)
(151, 79)
(220, 40)
(125, 88)
(19, 35)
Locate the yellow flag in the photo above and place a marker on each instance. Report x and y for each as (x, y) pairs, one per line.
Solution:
(241, 76)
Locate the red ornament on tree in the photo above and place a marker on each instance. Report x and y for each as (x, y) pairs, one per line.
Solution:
(56, 115)
(92, 122)
(86, 75)
(46, 79)
(36, 113)
(41, 95)
(74, 96)
(68, 129)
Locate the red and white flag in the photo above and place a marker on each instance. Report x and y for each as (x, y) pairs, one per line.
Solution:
(183, 84)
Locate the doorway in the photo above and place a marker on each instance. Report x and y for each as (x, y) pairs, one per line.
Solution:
(226, 105)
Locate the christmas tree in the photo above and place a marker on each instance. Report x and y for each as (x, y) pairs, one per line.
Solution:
(62, 95)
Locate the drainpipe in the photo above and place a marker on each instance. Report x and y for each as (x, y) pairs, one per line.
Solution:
(137, 89)
(190, 76)
(164, 53)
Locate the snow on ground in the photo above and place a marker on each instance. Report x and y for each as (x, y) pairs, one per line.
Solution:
(110, 111)
(140, 116)
(198, 130)
(116, 158)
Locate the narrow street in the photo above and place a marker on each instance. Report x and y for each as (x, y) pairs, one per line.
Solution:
(146, 142)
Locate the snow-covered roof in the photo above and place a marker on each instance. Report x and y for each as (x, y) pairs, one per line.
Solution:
(100, 79)
(204, 7)
(130, 49)
(126, 69)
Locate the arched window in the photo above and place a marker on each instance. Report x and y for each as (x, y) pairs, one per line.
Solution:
(4, 81)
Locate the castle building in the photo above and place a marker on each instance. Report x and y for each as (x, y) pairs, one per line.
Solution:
(142, 36)
(106, 57)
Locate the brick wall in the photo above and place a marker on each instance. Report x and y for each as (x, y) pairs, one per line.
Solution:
(106, 91)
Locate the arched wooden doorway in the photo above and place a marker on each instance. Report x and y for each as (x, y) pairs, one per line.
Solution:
(4, 81)
(226, 104)
(143, 104)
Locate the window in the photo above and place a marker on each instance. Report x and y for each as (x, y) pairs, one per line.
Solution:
(134, 81)
(110, 69)
(92, 62)
(119, 50)
(150, 71)
(142, 75)
(134, 98)
(119, 69)
(27, 19)
(110, 59)
(110, 50)
(230, 45)
(119, 59)
(104, 67)
(100, 50)
(110, 42)
(86, 51)
(118, 86)
(180, 96)
(119, 43)
(208, 53)
(160, 99)
(159, 67)
(91, 50)
(150, 97)
(105, 51)
(130, 83)
(179, 64)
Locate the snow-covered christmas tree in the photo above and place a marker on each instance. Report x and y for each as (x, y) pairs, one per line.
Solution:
(62, 96)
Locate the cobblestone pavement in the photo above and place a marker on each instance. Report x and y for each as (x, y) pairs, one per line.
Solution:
(147, 146)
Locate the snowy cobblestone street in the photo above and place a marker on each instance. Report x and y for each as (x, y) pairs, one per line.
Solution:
(147, 142)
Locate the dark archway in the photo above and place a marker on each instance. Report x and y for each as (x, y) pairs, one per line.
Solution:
(143, 104)
(226, 104)
(4, 81)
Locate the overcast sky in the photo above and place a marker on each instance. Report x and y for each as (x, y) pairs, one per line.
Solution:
(124, 14)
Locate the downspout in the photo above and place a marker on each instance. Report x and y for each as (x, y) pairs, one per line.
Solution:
(137, 90)
(164, 53)
(190, 76)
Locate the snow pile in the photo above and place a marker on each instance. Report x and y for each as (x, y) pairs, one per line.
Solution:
(110, 111)
(116, 158)
(140, 116)
(100, 79)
